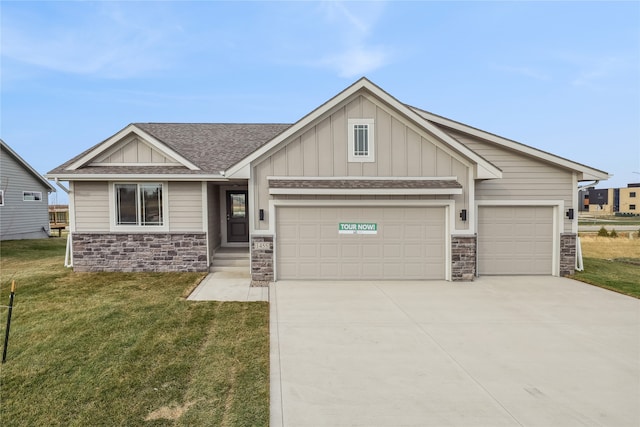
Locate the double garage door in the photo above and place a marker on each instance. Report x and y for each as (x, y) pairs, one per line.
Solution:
(515, 240)
(395, 243)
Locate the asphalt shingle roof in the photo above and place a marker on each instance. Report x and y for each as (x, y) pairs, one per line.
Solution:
(212, 147)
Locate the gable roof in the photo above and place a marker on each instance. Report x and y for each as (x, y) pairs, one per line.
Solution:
(25, 165)
(587, 173)
(200, 148)
(225, 150)
(483, 168)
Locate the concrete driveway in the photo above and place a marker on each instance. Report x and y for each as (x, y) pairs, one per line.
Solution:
(501, 351)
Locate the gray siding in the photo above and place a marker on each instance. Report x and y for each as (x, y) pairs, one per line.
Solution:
(322, 150)
(21, 219)
(523, 177)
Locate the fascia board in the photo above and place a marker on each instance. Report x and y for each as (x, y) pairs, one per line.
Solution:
(135, 177)
(491, 170)
(366, 191)
(589, 172)
(299, 125)
(148, 138)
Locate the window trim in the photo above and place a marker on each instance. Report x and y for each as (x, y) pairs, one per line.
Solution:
(35, 199)
(113, 224)
(352, 157)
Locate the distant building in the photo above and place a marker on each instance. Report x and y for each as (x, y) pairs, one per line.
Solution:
(611, 201)
(24, 198)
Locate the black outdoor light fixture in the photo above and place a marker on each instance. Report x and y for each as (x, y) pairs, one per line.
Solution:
(261, 214)
(463, 214)
(570, 214)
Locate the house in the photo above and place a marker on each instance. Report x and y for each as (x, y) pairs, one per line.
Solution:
(24, 197)
(362, 187)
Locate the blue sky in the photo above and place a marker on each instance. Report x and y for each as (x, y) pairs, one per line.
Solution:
(563, 77)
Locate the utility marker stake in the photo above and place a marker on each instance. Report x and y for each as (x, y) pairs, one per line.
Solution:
(6, 334)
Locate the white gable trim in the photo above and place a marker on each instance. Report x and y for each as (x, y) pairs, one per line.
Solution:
(108, 144)
(588, 173)
(483, 169)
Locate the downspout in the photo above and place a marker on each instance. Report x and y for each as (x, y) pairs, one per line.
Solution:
(579, 264)
(68, 253)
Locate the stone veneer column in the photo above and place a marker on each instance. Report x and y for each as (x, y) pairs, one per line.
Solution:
(463, 258)
(567, 253)
(261, 260)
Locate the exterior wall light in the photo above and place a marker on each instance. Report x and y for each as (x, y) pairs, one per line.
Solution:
(463, 214)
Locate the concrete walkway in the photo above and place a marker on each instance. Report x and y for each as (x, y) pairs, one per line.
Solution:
(228, 286)
(501, 351)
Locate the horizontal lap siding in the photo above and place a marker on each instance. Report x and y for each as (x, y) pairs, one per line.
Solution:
(20, 219)
(185, 206)
(91, 202)
(523, 178)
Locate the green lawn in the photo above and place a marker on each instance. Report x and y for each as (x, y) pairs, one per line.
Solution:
(107, 349)
(619, 274)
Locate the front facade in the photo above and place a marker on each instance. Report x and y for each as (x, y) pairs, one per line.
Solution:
(24, 198)
(362, 188)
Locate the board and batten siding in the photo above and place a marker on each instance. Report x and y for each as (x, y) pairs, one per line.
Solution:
(21, 219)
(523, 178)
(134, 150)
(91, 200)
(321, 150)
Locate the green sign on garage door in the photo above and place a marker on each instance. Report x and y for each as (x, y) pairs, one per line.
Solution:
(358, 228)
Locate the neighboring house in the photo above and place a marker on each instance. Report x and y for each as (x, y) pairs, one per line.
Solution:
(24, 197)
(363, 187)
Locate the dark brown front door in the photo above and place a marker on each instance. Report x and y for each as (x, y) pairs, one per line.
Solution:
(237, 216)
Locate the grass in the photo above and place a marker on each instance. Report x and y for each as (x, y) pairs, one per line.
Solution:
(611, 263)
(105, 349)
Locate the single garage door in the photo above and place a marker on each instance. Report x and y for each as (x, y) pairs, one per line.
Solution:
(401, 243)
(515, 240)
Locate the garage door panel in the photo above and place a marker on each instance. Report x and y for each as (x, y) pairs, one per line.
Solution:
(409, 243)
(515, 240)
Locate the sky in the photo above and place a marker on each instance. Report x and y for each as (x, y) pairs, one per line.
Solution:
(563, 77)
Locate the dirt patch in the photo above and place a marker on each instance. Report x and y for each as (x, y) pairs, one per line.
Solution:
(170, 412)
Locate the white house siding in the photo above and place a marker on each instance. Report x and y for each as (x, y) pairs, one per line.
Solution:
(134, 150)
(321, 150)
(20, 219)
(91, 202)
(523, 178)
(185, 206)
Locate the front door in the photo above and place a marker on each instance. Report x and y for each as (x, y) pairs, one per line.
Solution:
(237, 216)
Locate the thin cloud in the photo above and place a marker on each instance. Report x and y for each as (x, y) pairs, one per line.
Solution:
(101, 43)
(523, 71)
(598, 70)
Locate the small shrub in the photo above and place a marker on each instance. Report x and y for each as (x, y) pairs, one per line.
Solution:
(613, 233)
(603, 232)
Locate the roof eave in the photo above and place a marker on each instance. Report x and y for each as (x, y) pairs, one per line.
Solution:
(27, 166)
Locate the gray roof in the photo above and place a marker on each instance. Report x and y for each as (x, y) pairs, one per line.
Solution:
(212, 147)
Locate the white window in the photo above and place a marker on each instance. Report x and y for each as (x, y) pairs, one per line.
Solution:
(361, 140)
(139, 205)
(32, 196)
(1, 197)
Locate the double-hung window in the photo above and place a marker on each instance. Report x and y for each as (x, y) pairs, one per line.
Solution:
(361, 140)
(139, 205)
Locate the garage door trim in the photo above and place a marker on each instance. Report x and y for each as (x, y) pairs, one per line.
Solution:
(448, 205)
(558, 222)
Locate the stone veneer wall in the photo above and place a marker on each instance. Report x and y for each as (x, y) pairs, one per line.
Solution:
(463, 258)
(261, 260)
(162, 252)
(567, 253)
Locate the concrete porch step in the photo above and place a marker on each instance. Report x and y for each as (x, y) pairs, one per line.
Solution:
(230, 262)
(226, 269)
